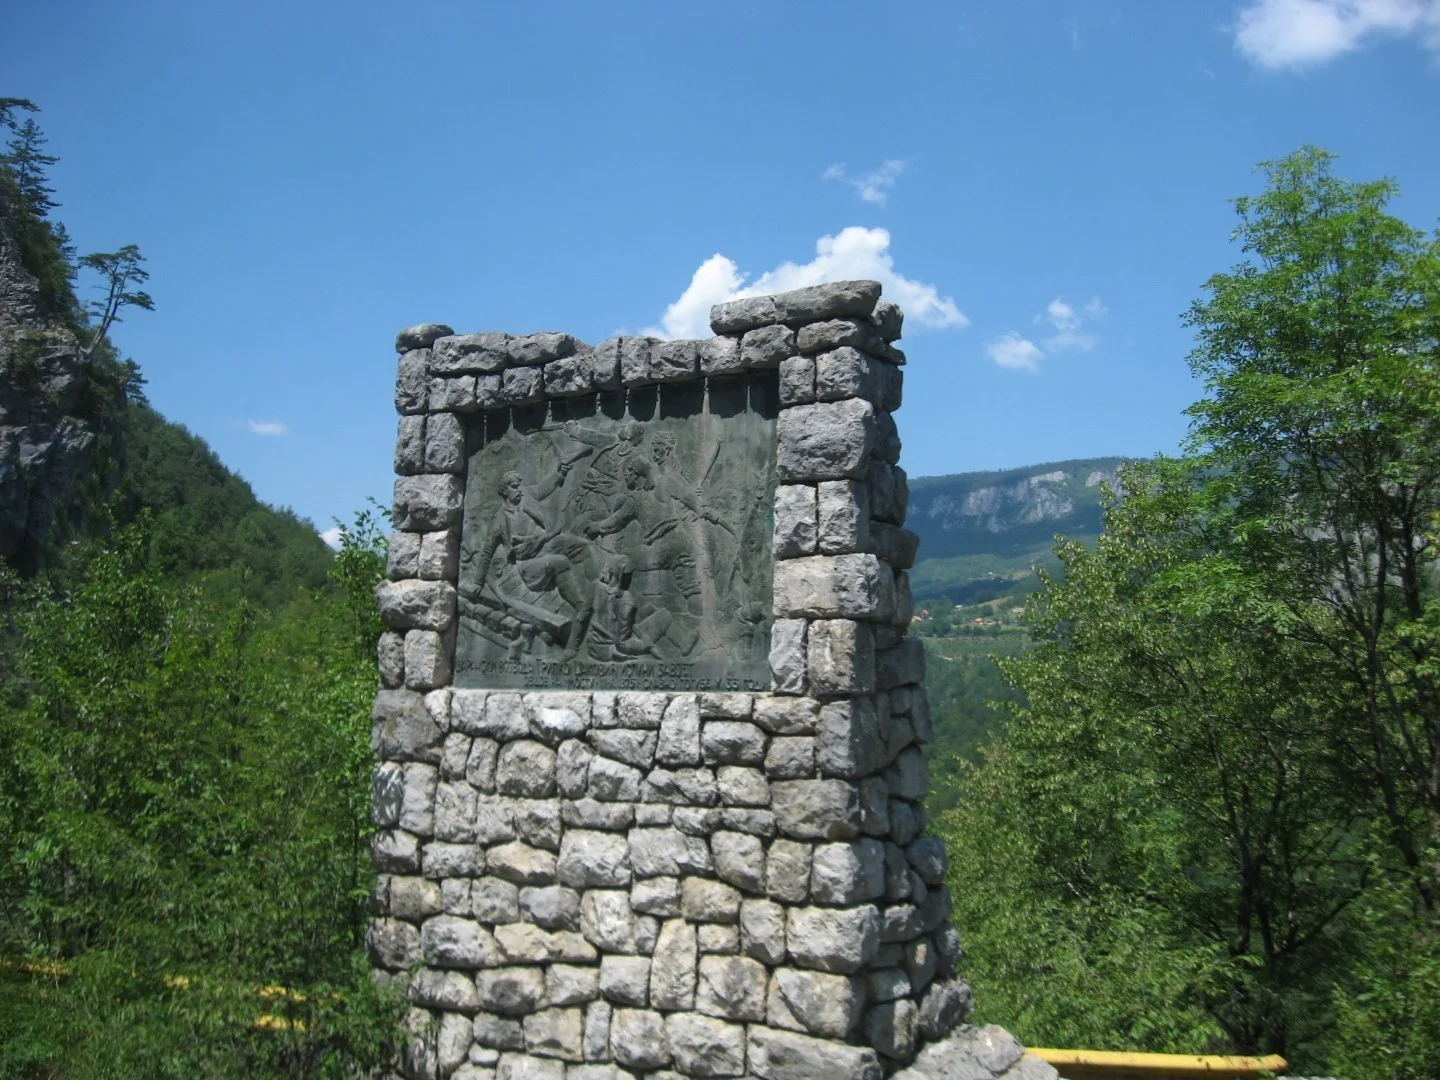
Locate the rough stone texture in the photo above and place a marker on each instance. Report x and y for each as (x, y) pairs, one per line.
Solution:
(722, 879)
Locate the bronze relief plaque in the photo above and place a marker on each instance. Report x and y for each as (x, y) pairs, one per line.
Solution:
(621, 541)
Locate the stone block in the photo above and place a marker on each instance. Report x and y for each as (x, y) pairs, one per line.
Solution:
(498, 1032)
(790, 757)
(825, 441)
(718, 706)
(553, 907)
(848, 873)
(668, 852)
(854, 586)
(521, 863)
(703, 1046)
(874, 806)
(816, 809)
(672, 361)
(592, 859)
(635, 360)
(787, 655)
(795, 521)
(673, 966)
(390, 657)
(393, 944)
(739, 860)
(538, 822)
(656, 896)
(401, 727)
(787, 871)
(840, 657)
(451, 942)
(848, 373)
(788, 1055)
(451, 991)
(607, 921)
(412, 382)
(703, 900)
(597, 1033)
(555, 1033)
(752, 820)
(738, 316)
(439, 555)
(605, 365)
(903, 665)
(387, 793)
(416, 605)
(718, 938)
(721, 356)
(836, 333)
(838, 940)
(908, 776)
(787, 715)
(762, 931)
(927, 856)
(679, 742)
(849, 741)
(441, 861)
(637, 1039)
(458, 354)
(625, 980)
(843, 517)
(590, 814)
(732, 742)
(414, 899)
(686, 787)
(833, 300)
(731, 987)
(636, 709)
(494, 900)
(456, 394)
(410, 446)
(797, 381)
(525, 769)
(636, 748)
(488, 391)
(510, 991)
(568, 376)
(741, 785)
(946, 1004)
(824, 1004)
(540, 348)
(444, 445)
(891, 1028)
(610, 781)
(428, 658)
(420, 336)
(522, 385)
(888, 319)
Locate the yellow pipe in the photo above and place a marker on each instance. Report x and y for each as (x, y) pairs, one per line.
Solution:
(1110, 1065)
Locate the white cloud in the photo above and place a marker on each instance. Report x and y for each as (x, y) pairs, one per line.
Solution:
(874, 186)
(1279, 34)
(272, 428)
(855, 253)
(332, 537)
(1014, 351)
(1067, 323)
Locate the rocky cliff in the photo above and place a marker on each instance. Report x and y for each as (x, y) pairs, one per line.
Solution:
(1009, 512)
(58, 440)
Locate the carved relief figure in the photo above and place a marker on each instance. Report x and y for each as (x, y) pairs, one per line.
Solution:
(615, 542)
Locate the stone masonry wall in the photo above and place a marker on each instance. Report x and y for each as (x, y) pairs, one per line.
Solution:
(598, 885)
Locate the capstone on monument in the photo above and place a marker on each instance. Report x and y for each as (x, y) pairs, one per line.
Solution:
(649, 781)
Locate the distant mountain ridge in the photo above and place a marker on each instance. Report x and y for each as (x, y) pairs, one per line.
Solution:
(1010, 511)
(981, 533)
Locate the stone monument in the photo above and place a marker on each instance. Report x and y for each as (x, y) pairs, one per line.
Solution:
(649, 785)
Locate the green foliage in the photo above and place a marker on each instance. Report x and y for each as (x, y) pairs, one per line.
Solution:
(1212, 823)
(967, 694)
(183, 792)
(206, 522)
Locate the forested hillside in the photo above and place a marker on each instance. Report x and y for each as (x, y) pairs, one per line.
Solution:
(185, 682)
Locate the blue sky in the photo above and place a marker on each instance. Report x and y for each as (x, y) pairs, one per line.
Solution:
(1044, 184)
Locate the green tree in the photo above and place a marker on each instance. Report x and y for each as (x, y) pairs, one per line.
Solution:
(1231, 751)
(28, 163)
(120, 271)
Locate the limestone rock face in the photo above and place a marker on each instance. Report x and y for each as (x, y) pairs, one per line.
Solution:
(52, 433)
